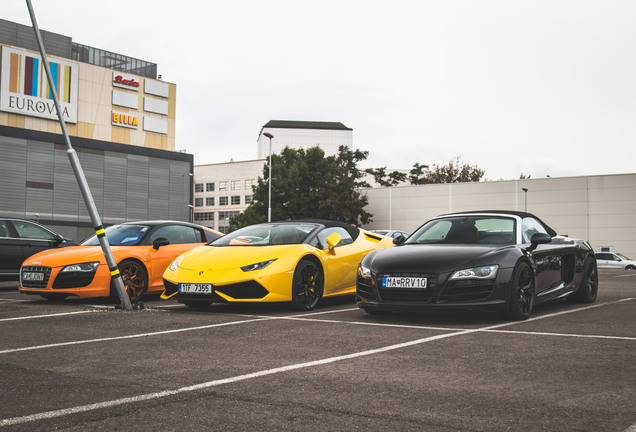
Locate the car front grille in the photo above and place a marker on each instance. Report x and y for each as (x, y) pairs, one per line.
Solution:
(73, 279)
(243, 290)
(466, 290)
(35, 284)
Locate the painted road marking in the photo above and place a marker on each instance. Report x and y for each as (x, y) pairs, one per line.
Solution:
(258, 374)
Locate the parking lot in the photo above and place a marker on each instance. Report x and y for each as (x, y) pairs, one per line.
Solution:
(82, 365)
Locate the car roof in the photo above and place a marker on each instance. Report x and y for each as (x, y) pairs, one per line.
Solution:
(509, 213)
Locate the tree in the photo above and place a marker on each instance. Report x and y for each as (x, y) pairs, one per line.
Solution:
(308, 185)
(419, 174)
(380, 176)
(455, 172)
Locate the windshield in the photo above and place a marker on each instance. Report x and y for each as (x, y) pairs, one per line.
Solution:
(623, 257)
(120, 235)
(266, 235)
(465, 230)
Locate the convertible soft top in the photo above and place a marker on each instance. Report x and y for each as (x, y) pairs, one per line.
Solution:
(510, 212)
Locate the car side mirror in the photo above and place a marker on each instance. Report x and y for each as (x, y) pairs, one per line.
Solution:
(537, 239)
(333, 240)
(158, 242)
(399, 240)
(58, 240)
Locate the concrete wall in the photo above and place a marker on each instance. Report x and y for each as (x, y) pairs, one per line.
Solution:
(600, 209)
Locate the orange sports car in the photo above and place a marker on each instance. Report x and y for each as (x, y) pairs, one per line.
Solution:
(142, 251)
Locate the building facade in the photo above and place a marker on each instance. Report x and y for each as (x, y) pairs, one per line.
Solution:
(224, 190)
(121, 121)
(600, 209)
(329, 136)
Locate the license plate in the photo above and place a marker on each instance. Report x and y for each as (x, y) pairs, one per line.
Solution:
(28, 276)
(195, 288)
(403, 282)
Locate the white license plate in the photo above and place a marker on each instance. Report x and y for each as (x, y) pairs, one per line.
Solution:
(403, 282)
(195, 288)
(28, 276)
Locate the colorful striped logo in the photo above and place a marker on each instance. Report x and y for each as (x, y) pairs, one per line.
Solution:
(27, 76)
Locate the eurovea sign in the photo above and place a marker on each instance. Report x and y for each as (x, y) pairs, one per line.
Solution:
(25, 90)
(122, 80)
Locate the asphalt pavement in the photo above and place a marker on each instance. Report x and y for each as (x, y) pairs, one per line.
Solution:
(82, 364)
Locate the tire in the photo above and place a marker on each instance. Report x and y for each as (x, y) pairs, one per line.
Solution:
(630, 267)
(54, 296)
(588, 290)
(522, 292)
(135, 279)
(307, 285)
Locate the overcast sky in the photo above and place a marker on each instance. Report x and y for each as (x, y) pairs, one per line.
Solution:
(541, 87)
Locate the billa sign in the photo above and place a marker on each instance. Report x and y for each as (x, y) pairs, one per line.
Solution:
(24, 88)
(124, 120)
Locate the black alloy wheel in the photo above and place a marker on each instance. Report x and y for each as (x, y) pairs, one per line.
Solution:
(522, 293)
(133, 275)
(307, 286)
(630, 267)
(588, 290)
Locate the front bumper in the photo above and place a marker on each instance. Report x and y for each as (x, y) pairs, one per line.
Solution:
(440, 294)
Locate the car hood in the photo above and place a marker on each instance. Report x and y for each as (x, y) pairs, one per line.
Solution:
(228, 257)
(417, 258)
(71, 255)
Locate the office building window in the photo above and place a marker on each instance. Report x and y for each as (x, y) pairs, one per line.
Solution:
(223, 200)
(223, 186)
(248, 199)
(249, 184)
(198, 187)
(198, 202)
(209, 187)
(236, 185)
(236, 200)
(204, 216)
(209, 201)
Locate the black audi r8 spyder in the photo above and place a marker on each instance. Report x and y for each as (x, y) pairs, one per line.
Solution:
(489, 260)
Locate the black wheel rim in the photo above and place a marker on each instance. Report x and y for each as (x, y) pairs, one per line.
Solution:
(134, 280)
(526, 290)
(309, 286)
(592, 279)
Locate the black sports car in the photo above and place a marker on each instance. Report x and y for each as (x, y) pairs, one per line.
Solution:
(494, 260)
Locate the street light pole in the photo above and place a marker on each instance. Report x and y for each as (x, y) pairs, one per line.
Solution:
(269, 207)
(525, 193)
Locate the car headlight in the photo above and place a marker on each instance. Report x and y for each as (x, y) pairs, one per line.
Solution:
(82, 267)
(483, 272)
(364, 272)
(175, 265)
(257, 266)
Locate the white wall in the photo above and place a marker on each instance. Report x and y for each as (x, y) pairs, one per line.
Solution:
(600, 209)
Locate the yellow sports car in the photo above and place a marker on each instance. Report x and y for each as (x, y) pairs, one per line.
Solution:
(295, 261)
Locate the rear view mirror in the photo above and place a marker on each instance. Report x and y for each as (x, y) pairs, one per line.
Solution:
(333, 240)
(158, 242)
(399, 240)
(539, 238)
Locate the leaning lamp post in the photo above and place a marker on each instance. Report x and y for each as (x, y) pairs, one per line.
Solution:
(269, 206)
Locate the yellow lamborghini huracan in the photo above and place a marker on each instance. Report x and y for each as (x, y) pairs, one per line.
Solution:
(296, 261)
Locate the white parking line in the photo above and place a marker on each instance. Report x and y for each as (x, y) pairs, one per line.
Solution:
(277, 370)
(47, 315)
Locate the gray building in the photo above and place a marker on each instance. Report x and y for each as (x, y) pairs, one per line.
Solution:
(121, 121)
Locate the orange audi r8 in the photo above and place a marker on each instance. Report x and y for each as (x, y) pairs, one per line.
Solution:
(142, 250)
